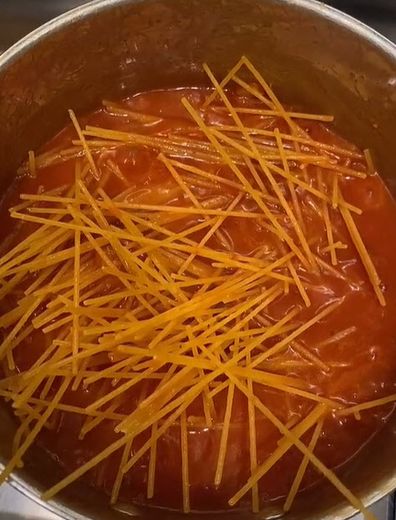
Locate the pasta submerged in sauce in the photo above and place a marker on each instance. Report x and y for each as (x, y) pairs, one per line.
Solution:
(205, 281)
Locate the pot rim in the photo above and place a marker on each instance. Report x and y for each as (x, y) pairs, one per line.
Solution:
(8, 57)
(78, 13)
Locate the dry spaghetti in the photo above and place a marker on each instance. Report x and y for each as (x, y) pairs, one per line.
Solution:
(185, 294)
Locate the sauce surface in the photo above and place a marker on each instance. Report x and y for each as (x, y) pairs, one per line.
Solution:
(355, 344)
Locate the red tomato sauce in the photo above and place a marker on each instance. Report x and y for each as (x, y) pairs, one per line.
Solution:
(362, 364)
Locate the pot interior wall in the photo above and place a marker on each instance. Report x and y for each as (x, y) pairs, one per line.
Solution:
(120, 47)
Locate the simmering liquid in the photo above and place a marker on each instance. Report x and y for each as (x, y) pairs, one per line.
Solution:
(349, 356)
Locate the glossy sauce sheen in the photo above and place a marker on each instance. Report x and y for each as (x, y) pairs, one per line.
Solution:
(363, 363)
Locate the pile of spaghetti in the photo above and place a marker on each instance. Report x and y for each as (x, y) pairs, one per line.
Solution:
(176, 289)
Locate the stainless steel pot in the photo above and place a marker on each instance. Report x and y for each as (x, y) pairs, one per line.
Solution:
(314, 56)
